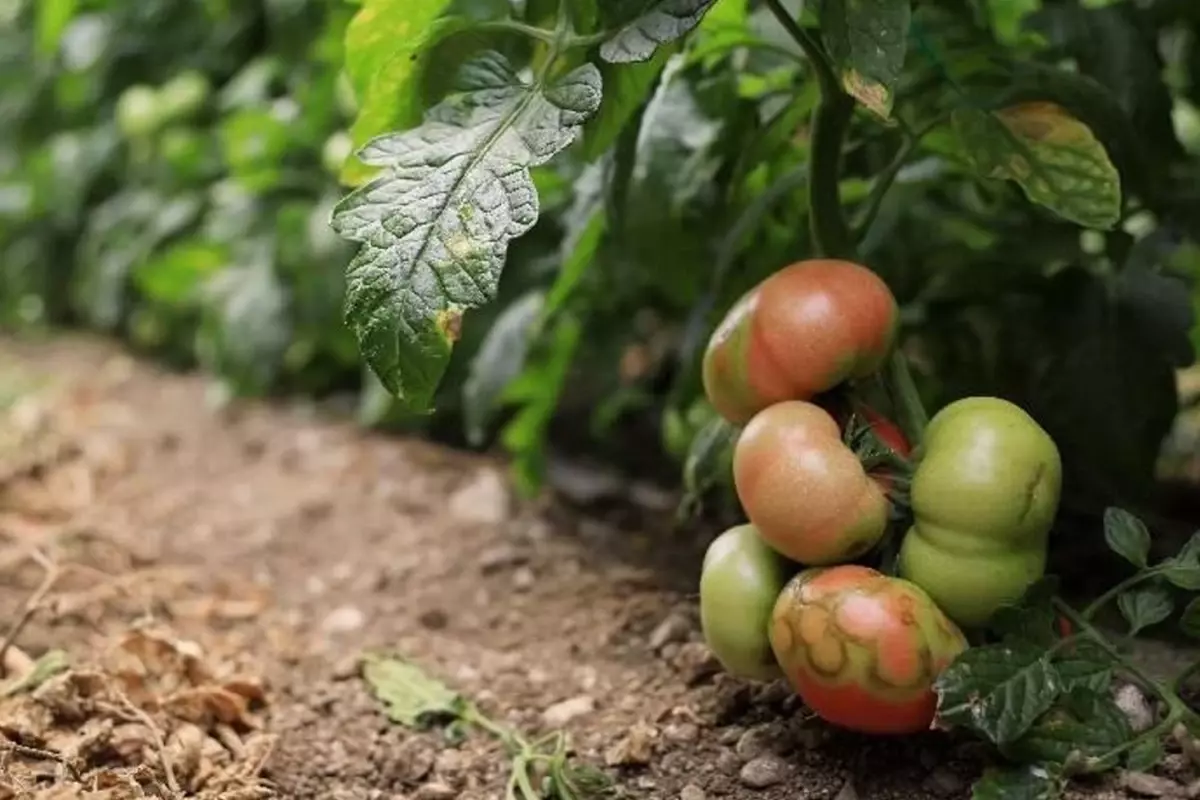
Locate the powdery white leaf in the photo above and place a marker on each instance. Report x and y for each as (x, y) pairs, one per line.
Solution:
(661, 22)
(435, 224)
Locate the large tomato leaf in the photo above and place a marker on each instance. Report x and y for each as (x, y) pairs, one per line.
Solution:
(998, 691)
(1055, 158)
(653, 23)
(436, 224)
(868, 40)
(1084, 721)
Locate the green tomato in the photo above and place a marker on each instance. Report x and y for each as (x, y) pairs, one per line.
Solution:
(739, 585)
(139, 113)
(184, 95)
(985, 493)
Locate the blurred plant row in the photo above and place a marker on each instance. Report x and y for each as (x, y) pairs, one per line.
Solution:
(168, 170)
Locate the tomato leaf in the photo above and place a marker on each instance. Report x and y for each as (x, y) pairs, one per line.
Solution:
(1084, 664)
(998, 691)
(868, 40)
(657, 23)
(1145, 607)
(709, 462)
(411, 697)
(1082, 723)
(387, 42)
(1183, 569)
(1032, 619)
(1144, 755)
(1055, 159)
(435, 226)
(1189, 620)
(1127, 536)
(626, 88)
(1029, 782)
(501, 358)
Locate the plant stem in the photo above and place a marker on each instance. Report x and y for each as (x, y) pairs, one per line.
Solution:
(913, 417)
(513, 26)
(1133, 580)
(810, 46)
(886, 178)
(1085, 626)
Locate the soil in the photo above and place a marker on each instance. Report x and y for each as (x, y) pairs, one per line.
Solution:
(213, 575)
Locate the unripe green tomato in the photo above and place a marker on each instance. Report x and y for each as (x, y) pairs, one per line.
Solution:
(739, 584)
(338, 148)
(984, 496)
(184, 95)
(863, 650)
(139, 113)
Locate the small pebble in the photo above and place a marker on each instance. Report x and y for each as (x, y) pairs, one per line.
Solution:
(943, 782)
(484, 499)
(1137, 710)
(346, 619)
(847, 792)
(501, 557)
(730, 735)
(636, 749)
(764, 771)
(692, 792)
(675, 628)
(561, 713)
(728, 762)
(436, 791)
(435, 619)
(523, 579)
(681, 732)
(756, 742)
(347, 668)
(1147, 785)
(696, 662)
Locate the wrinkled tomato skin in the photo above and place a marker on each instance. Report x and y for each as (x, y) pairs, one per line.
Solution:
(802, 331)
(803, 489)
(739, 583)
(863, 650)
(984, 495)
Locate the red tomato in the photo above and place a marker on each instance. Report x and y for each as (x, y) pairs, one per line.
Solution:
(803, 489)
(891, 436)
(802, 331)
(863, 650)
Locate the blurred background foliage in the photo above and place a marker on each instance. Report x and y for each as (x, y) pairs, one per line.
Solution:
(168, 169)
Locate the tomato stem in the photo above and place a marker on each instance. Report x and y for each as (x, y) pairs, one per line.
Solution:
(913, 417)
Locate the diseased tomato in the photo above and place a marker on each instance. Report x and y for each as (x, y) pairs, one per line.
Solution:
(863, 650)
(739, 583)
(804, 489)
(802, 331)
(984, 496)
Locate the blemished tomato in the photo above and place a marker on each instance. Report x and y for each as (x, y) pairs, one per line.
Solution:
(863, 650)
(984, 496)
(739, 583)
(802, 331)
(804, 489)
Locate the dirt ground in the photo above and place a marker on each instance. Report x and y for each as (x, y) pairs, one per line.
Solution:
(212, 577)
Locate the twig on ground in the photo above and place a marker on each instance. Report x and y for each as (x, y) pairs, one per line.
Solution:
(9, 746)
(31, 607)
(127, 710)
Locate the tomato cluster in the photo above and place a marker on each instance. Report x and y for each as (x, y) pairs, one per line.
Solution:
(781, 594)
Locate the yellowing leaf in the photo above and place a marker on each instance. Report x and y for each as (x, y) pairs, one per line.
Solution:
(1054, 157)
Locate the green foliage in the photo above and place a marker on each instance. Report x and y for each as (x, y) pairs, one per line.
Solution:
(1043, 695)
(547, 206)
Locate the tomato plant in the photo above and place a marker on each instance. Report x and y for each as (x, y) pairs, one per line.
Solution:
(863, 650)
(804, 489)
(984, 497)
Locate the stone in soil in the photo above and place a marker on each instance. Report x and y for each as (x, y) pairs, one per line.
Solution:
(764, 771)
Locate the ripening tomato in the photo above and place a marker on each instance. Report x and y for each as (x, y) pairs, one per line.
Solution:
(985, 494)
(863, 650)
(802, 331)
(804, 489)
(739, 583)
